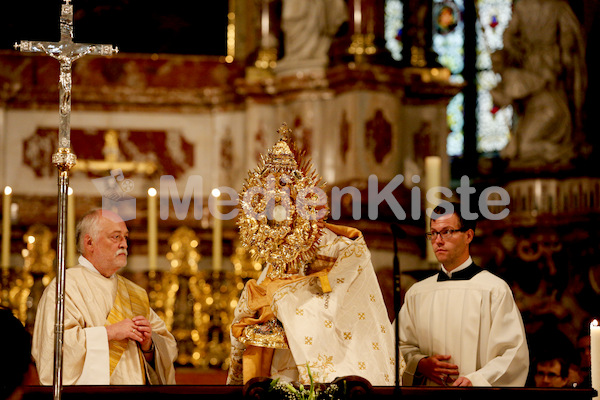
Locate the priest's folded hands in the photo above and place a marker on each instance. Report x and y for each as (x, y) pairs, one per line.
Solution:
(138, 329)
(441, 372)
(112, 336)
(142, 326)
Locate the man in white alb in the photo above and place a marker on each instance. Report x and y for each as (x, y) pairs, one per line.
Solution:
(111, 335)
(461, 327)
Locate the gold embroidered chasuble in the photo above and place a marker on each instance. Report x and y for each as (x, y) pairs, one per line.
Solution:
(131, 300)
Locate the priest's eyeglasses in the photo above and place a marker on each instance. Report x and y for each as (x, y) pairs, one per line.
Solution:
(445, 234)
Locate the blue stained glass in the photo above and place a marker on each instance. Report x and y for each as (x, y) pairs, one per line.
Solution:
(449, 46)
(456, 120)
(394, 23)
(493, 16)
(493, 126)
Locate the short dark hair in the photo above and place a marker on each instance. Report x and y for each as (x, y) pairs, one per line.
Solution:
(454, 207)
(546, 357)
(15, 353)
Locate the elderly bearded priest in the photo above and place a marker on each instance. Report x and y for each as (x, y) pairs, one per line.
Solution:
(111, 335)
(461, 327)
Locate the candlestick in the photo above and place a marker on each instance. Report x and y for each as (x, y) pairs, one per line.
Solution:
(433, 174)
(6, 202)
(595, 354)
(217, 232)
(71, 245)
(152, 230)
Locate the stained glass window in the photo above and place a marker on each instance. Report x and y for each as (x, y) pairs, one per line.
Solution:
(449, 43)
(394, 22)
(455, 116)
(448, 37)
(493, 125)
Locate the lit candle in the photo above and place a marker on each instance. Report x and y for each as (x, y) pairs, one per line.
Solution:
(152, 230)
(6, 202)
(217, 232)
(433, 178)
(357, 17)
(264, 22)
(71, 247)
(538, 206)
(595, 354)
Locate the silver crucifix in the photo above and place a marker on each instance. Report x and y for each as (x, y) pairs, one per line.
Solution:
(66, 52)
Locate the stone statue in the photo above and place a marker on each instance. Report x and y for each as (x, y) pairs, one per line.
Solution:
(309, 27)
(544, 78)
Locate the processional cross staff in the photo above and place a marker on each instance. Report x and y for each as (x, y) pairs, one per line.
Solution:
(66, 52)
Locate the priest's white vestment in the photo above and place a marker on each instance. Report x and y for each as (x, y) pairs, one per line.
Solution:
(476, 321)
(345, 331)
(89, 298)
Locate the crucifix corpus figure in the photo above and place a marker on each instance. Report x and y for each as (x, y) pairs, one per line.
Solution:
(66, 52)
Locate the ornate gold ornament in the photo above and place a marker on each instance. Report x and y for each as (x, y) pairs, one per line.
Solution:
(281, 201)
(268, 334)
(196, 305)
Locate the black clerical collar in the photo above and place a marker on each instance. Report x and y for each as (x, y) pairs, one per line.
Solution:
(462, 275)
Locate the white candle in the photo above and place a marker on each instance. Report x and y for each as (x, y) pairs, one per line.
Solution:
(357, 17)
(264, 22)
(6, 202)
(71, 247)
(433, 175)
(595, 354)
(433, 178)
(217, 247)
(152, 230)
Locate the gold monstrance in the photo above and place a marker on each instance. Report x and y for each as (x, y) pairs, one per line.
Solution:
(66, 52)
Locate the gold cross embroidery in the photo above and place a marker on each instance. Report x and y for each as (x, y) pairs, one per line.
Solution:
(308, 340)
(111, 159)
(375, 346)
(348, 335)
(361, 315)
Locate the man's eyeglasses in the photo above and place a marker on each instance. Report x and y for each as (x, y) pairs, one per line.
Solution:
(445, 234)
(549, 375)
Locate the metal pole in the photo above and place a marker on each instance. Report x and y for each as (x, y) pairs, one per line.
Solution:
(64, 160)
(66, 52)
(397, 233)
(59, 320)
